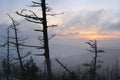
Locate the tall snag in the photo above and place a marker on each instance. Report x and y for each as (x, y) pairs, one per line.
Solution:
(93, 66)
(31, 16)
(17, 45)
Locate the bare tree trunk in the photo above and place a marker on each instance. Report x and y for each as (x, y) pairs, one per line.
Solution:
(95, 61)
(42, 20)
(45, 37)
(8, 62)
(64, 67)
(94, 66)
(17, 47)
(18, 51)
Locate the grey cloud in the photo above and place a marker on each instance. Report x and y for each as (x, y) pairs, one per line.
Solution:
(114, 26)
(117, 25)
(100, 19)
(85, 19)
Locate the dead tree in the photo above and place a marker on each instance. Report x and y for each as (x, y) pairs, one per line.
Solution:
(93, 66)
(13, 26)
(31, 16)
(72, 75)
(64, 67)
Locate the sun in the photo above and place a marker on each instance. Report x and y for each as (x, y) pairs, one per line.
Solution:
(91, 35)
(94, 36)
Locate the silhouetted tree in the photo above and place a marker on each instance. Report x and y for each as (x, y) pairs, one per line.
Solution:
(16, 43)
(71, 74)
(34, 18)
(93, 66)
(64, 66)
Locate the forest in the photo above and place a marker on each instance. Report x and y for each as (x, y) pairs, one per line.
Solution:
(19, 62)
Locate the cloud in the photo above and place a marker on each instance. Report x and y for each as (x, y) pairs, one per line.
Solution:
(98, 22)
(115, 26)
(83, 25)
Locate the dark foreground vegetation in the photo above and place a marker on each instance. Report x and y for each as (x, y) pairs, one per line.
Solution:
(33, 72)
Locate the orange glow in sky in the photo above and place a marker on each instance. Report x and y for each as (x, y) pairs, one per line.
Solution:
(92, 35)
(89, 35)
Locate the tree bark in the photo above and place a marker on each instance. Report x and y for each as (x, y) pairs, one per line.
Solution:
(46, 43)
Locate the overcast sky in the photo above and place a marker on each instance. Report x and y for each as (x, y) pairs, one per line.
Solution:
(82, 20)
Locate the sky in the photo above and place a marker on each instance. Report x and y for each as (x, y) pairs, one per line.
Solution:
(82, 20)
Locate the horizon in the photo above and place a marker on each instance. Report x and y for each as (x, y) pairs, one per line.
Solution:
(88, 20)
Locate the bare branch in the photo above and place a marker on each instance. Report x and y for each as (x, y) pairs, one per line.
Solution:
(40, 38)
(38, 22)
(90, 50)
(35, 2)
(27, 54)
(51, 36)
(10, 17)
(38, 47)
(64, 66)
(54, 14)
(39, 54)
(29, 16)
(48, 9)
(91, 45)
(53, 25)
(3, 45)
(38, 30)
(100, 51)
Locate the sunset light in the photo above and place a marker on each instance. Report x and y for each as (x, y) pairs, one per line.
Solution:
(94, 37)
(97, 36)
(88, 35)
